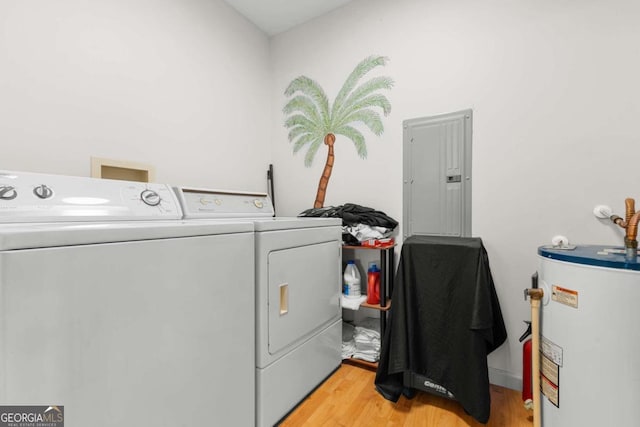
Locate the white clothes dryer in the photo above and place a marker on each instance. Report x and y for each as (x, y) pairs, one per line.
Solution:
(298, 288)
(119, 312)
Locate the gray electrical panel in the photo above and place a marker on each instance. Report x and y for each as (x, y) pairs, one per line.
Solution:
(437, 175)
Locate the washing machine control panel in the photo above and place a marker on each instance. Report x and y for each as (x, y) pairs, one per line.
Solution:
(150, 197)
(8, 192)
(43, 192)
(31, 197)
(203, 203)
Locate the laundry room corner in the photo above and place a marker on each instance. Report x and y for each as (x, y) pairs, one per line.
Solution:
(542, 139)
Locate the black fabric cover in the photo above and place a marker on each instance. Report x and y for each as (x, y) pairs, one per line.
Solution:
(352, 214)
(444, 321)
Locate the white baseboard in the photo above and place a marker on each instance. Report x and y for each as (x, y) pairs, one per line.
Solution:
(505, 379)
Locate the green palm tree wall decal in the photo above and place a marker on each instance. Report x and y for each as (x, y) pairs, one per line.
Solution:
(311, 121)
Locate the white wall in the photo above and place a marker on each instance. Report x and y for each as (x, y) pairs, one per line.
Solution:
(182, 85)
(554, 87)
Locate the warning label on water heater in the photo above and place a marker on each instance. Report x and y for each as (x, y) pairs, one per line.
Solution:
(550, 370)
(551, 350)
(565, 296)
(550, 363)
(550, 390)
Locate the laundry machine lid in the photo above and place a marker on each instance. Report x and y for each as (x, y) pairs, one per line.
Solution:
(288, 223)
(42, 235)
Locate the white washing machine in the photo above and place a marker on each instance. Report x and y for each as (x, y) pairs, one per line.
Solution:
(298, 288)
(120, 312)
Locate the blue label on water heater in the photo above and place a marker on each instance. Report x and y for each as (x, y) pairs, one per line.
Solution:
(596, 255)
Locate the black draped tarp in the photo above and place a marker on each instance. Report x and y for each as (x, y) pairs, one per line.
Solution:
(353, 214)
(444, 321)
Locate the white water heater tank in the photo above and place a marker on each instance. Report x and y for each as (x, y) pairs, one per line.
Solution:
(590, 345)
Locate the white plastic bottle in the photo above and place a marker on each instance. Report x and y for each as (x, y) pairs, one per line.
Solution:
(351, 284)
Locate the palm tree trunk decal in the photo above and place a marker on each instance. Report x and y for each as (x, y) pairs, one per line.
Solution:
(329, 140)
(311, 121)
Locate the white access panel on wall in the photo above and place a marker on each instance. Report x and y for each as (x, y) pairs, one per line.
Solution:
(437, 175)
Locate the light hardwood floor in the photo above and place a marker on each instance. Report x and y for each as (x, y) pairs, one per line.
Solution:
(348, 398)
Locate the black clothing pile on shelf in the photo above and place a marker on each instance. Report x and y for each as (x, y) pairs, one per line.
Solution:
(445, 320)
(359, 223)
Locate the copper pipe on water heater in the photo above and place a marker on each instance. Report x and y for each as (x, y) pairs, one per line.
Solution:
(618, 221)
(632, 229)
(630, 209)
(630, 225)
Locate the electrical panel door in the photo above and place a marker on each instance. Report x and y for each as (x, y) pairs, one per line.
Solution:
(437, 175)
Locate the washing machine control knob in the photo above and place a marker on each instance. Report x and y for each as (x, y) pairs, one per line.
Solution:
(150, 197)
(7, 192)
(43, 192)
